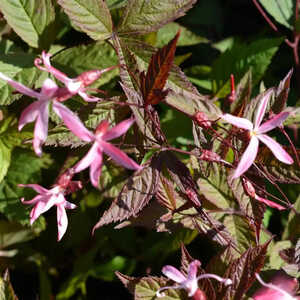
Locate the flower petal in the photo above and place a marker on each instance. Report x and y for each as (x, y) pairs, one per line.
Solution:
(39, 189)
(88, 98)
(73, 122)
(41, 128)
(45, 203)
(69, 205)
(119, 156)
(20, 87)
(56, 73)
(270, 203)
(247, 158)
(95, 169)
(118, 130)
(29, 114)
(272, 123)
(260, 112)
(276, 148)
(238, 122)
(193, 269)
(49, 88)
(62, 221)
(173, 274)
(88, 159)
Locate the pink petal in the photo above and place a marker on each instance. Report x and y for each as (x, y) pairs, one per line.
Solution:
(34, 200)
(262, 108)
(39, 189)
(62, 221)
(270, 203)
(49, 88)
(173, 274)
(119, 156)
(20, 87)
(276, 148)
(87, 159)
(72, 122)
(238, 122)
(118, 130)
(95, 169)
(45, 203)
(41, 128)
(69, 205)
(56, 73)
(193, 269)
(88, 98)
(272, 123)
(29, 114)
(247, 158)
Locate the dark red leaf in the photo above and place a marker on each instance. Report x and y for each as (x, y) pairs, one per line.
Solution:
(153, 82)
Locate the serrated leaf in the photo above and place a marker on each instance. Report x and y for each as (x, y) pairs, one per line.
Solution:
(25, 168)
(241, 231)
(274, 261)
(142, 17)
(187, 38)
(30, 19)
(242, 272)
(147, 287)
(19, 67)
(292, 228)
(183, 96)
(135, 195)
(91, 16)
(294, 117)
(239, 59)
(6, 289)
(277, 170)
(153, 82)
(215, 188)
(282, 11)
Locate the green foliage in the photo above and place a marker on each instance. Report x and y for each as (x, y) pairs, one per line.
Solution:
(91, 16)
(31, 20)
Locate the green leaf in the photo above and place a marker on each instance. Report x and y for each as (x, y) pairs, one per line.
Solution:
(147, 287)
(282, 11)
(19, 67)
(25, 168)
(292, 228)
(142, 17)
(91, 16)
(98, 55)
(30, 19)
(274, 261)
(239, 59)
(6, 289)
(186, 38)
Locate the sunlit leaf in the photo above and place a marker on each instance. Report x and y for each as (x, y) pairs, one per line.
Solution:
(30, 19)
(91, 16)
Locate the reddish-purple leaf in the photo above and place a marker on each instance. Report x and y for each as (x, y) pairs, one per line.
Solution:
(153, 82)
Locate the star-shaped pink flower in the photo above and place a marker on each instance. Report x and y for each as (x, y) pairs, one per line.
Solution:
(45, 200)
(38, 111)
(93, 158)
(281, 287)
(189, 282)
(257, 133)
(73, 85)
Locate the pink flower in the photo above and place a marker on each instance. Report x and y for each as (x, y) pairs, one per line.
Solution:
(45, 200)
(282, 287)
(73, 85)
(257, 131)
(93, 158)
(189, 282)
(38, 111)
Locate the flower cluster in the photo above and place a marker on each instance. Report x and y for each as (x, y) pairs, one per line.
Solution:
(38, 112)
